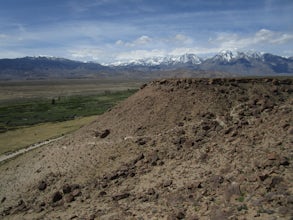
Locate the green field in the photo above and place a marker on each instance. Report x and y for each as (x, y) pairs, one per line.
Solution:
(34, 111)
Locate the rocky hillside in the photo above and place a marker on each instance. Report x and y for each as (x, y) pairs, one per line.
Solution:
(177, 149)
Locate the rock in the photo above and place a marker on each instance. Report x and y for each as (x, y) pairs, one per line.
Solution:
(275, 181)
(97, 133)
(143, 86)
(272, 156)
(180, 215)
(138, 158)
(232, 189)
(151, 191)
(217, 180)
(69, 198)
(6, 211)
(21, 206)
(66, 189)
(57, 196)
(3, 199)
(102, 193)
(75, 186)
(284, 161)
(228, 130)
(120, 196)
(92, 217)
(263, 177)
(141, 141)
(180, 124)
(153, 158)
(39, 209)
(104, 185)
(193, 186)
(290, 131)
(176, 215)
(105, 133)
(114, 176)
(167, 183)
(42, 185)
(76, 192)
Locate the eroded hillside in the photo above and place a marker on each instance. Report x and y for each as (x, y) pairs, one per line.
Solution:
(177, 149)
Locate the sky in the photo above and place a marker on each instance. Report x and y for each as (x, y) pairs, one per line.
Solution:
(107, 31)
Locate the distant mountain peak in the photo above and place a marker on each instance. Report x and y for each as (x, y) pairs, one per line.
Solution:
(235, 62)
(225, 55)
(160, 60)
(230, 55)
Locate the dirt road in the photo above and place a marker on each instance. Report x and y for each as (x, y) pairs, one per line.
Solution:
(5, 157)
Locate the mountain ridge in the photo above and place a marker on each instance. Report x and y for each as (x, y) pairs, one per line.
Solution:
(231, 62)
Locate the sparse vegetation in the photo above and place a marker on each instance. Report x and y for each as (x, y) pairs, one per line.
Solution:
(16, 139)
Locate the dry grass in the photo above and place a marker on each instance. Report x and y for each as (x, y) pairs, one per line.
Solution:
(16, 139)
(14, 90)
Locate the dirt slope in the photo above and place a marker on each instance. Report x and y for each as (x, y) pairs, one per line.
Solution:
(177, 149)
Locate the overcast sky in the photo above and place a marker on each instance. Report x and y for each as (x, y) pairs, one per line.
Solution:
(111, 30)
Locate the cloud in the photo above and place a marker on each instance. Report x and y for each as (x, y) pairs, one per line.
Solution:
(263, 36)
(145, 41)
(141, 41)
(182, 39)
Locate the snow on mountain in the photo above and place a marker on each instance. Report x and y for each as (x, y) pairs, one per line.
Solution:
(225, 56)
(228, 55)
(168, 60)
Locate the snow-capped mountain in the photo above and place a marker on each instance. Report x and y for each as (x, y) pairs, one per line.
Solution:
(225, 56)
(249, 62)
(231, 62)
(166, 61)
(229, 56)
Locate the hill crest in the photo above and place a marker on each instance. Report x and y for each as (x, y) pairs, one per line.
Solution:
(178, 148)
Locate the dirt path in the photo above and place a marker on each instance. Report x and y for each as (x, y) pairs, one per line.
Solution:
(5, 157)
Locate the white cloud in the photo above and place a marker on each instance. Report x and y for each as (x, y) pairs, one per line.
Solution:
(141, 41)
(263, 36)
(119, 43)
(182, 39)
(146, 41)
(145, 46)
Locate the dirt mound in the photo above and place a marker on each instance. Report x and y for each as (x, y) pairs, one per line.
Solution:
(177, 149)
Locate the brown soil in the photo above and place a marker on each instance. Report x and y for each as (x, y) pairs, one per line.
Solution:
(177, 149)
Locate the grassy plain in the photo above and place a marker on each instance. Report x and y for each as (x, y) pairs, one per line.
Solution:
(29, 112)
(16, 139)
(11, 91)
(33, 111)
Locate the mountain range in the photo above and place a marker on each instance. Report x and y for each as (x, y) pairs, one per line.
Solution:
(230, 62)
